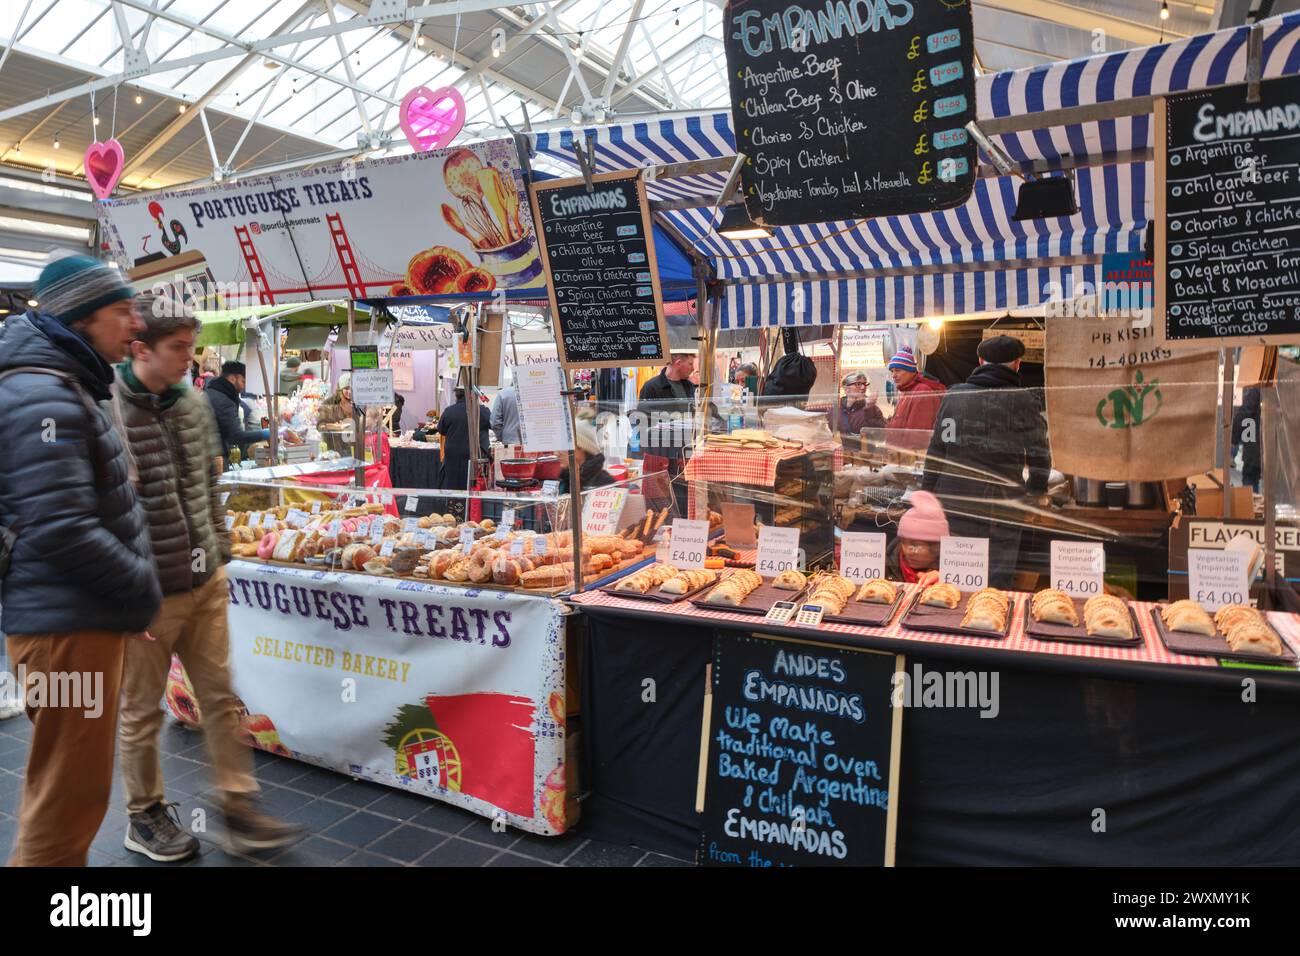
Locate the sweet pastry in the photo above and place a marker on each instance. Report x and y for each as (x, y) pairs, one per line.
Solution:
(1230, 615)
(684, 582)
(941, 595)
(458, 571)
(266, 546)
(550, 576)
(878, 591)
(790, 581)
(1256, 638)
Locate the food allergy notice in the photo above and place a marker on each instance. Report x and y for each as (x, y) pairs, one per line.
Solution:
(848, 109)
(1228, 242)
(601, 271)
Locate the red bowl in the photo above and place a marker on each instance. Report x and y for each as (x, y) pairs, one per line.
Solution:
(518, 469)
(548, 468)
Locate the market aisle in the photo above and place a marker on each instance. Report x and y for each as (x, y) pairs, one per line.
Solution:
(351, 823)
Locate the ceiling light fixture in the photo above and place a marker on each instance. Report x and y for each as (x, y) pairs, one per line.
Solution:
(138, 99)
(736, 225)
(56, 140)
(1164, 10)
(96, 121)
(32, 303)
(182, 108)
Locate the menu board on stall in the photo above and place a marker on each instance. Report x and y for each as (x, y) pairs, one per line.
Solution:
(802, 755)
(601, 273)
(848, 111)
(1227, 223)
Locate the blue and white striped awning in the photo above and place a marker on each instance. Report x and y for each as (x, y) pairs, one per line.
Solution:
(994, 262)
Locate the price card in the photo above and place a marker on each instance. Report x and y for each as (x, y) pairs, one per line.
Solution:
(778, 550)
(964, 563)
(601, 510)
(507, 519)
(550, 488)
(466, 539)
(689, 543)
(412, 502)
(297, 518)
(377, 532)
(540, 546)
(230, 522)
(1216, 578)
(1078, 567)
(862, 555)
(386, 549)
(315, 507)
(336, 526)
(268, 521)
(517, 546)
(225, 496)
(255, 519)
(411, 524)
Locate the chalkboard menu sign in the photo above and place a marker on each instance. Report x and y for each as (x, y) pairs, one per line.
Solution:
(802, 766)
(1227, 216)
(848, 110)
(601, 274)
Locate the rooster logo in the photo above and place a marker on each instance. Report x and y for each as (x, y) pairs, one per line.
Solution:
(1129, 406)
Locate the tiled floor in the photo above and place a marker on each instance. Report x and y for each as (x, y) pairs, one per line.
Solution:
(349, 822)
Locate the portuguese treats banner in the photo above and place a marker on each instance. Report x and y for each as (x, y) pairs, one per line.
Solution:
(452, 221)
(452, 693)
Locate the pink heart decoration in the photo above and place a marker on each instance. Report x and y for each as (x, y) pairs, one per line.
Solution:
(104, 163)
(431, 120)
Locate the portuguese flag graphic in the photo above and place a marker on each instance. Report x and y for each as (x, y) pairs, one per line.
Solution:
(478, 744)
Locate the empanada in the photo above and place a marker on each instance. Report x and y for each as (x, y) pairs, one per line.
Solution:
(790, 581)
(941, 595)
(878, 591)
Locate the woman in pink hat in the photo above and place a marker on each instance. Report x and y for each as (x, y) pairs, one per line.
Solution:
(914, 554)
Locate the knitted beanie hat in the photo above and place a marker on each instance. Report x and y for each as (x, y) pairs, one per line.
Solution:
(71, 288)
(903, 359)
(925, 520)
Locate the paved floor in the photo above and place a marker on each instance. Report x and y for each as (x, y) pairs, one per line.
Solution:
(349, 822)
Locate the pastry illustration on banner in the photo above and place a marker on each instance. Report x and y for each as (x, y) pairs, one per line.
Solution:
(441, 222)
(475, 744)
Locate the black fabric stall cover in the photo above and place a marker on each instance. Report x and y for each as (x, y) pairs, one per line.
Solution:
(1177, 774)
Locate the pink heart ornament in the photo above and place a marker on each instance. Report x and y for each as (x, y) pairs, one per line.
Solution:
(104, 163)
(431, 120)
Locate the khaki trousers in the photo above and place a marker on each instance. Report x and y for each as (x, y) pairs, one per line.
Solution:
(69, 777)
(193, 626)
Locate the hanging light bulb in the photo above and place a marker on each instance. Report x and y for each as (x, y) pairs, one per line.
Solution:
(96, 121)
(182, 108)
(419, 40)
(677, 20)
(1164, 10)
(56, 141)
(138, 99)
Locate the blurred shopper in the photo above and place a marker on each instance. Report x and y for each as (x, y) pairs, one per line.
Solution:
(590, 460)
(1246, 435)
(453, 425)
(338, 407)
(988, 432)
(918, 397)
(858, 410)
(81, 577)
(290, 375)
(505, 416)
(173, 437)
(914, 555)
(666, 407)
(224, 396)
(744, 373)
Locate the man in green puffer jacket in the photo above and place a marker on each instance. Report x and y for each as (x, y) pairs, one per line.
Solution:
(170, 430)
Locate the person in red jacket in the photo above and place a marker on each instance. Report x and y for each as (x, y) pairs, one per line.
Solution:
(918, 402)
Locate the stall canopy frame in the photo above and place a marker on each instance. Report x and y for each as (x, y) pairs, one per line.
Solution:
(1092, 116)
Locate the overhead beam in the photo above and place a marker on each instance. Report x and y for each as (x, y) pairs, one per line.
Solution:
(617, 66)
(1087, 19)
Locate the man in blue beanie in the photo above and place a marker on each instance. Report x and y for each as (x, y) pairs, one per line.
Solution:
(80, 577)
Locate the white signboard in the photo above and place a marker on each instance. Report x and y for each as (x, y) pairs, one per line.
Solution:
(353, 230)
(601, 510)
(470, 677)
(1078, 567)
(778, 550)
(1216, 578)
(689, 543)
(964, 563)
(862, 555)
(372, 386)
(544, 423)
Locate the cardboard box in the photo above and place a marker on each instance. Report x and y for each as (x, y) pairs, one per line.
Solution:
(1209, 502)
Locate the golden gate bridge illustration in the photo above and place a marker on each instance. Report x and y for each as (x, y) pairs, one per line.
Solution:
(341, 272)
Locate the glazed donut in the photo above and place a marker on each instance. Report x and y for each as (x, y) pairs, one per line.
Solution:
(505, 571)
(266, 546)
(480, 567)
(364, 554)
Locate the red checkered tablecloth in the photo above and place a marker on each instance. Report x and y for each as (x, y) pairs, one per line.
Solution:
(1151, 651)
(746, 466)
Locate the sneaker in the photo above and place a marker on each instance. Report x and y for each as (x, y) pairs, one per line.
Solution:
(248, 829)
(157, 834)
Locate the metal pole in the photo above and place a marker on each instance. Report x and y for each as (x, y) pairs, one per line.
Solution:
(472, 406)
(1267, 421)
(1225, 430)
(575, 489)
(358, 422)
(273, 394)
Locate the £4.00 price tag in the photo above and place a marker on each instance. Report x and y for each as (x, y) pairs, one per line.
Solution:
(1216, 578)
(778, 550)
(862, 555)
(964, 563)
(1078, 567)
(689, 543)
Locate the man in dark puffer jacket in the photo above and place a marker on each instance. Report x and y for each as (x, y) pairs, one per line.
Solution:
(173, 437)
(82, 577)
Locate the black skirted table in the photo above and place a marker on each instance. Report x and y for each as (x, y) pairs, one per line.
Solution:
(1089, 761)
(415, 467)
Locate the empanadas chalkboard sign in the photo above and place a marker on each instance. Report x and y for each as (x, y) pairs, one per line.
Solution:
(848, 110)
(803, 753)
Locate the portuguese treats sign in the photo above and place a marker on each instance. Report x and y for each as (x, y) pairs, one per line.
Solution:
(849, 109)
(602, 277)
(1228, 216)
